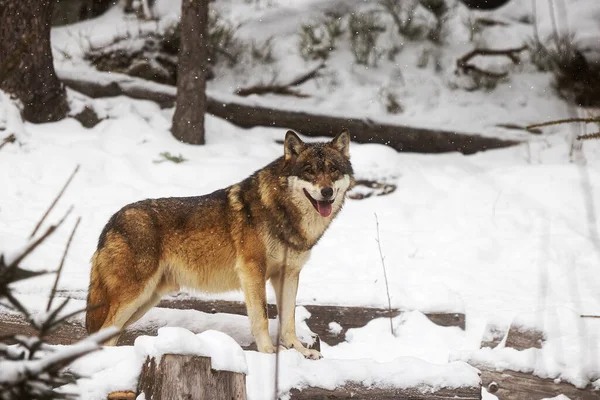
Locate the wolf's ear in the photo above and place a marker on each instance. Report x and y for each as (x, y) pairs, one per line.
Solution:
(293, 145)
(342, 142)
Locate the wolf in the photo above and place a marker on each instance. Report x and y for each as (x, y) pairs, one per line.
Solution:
(262, 228)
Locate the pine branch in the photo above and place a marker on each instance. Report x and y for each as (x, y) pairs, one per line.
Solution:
(54, 202)
(60, 267)
(38, 241)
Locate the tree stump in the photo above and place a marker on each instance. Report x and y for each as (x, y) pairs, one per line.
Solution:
(189, 377)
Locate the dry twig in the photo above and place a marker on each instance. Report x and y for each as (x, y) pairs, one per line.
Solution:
(463, 65)
(286, 89)
(54, 202)
(387, 287)
(9, 139)
(590, 120)
(60, 267)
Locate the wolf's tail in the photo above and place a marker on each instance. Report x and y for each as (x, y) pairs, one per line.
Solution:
(97, 300)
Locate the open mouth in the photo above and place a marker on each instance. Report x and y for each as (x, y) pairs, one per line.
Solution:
(323, 207)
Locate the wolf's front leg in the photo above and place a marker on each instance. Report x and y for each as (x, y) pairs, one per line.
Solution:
(253, 284)
(286, 306)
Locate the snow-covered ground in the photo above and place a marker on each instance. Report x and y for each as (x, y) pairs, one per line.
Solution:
(506, 235)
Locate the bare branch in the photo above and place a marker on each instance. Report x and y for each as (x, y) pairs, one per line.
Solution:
(589, 136)
(463, 64)
(17, 304)
(59, 321)
(60, 267)
(9, 139)
(54, 202)
(565, 121)
(283, 89)
(387, 288)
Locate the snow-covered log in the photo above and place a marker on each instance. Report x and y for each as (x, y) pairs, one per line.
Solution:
(246, 114)
(189, 377)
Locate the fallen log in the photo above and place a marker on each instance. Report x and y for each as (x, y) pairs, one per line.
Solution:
(320, 316)
(189, 377)
(318, 322)
(248, 114)
(512, 385)
(349, 392)
(518, 337)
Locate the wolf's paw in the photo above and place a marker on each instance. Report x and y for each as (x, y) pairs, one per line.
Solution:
(268, 349)
(310, 353)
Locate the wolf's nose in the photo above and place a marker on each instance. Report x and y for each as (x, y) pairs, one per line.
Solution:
(327, 192)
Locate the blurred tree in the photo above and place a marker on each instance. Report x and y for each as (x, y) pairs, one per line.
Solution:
(26, 64)
(71, 11)
(188, 120)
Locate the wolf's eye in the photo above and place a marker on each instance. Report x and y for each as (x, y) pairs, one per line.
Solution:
(308, 169)
(333, 169)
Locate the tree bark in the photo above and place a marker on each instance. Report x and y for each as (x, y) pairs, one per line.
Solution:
(26, 59)
(188, 120)
(189, 377)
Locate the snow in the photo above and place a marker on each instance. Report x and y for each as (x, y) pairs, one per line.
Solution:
(225, 353)
(118, 368)
(506, 236)
(16, 371)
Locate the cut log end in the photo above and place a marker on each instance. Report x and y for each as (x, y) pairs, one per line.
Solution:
(122, 395)
(189, 377)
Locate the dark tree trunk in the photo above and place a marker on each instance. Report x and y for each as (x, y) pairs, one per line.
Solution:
(26, 59)
(188, 120)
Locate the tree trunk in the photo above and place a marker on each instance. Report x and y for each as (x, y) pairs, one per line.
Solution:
(189, 377)
(26, 59)
(188, 120)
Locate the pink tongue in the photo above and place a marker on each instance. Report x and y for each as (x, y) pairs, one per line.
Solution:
(324, 208)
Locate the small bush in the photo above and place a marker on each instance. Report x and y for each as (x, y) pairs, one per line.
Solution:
(167, 156)
(418, 19)
(263, 52)
(153, 56)
(575, 79)
(391, 102)
(365, 29)
(403, 14)
(439, 9)
(318, 41)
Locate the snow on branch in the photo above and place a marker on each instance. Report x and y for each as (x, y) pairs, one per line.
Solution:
(29, 367)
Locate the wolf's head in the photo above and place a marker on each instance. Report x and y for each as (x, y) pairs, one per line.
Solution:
(319, 173)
